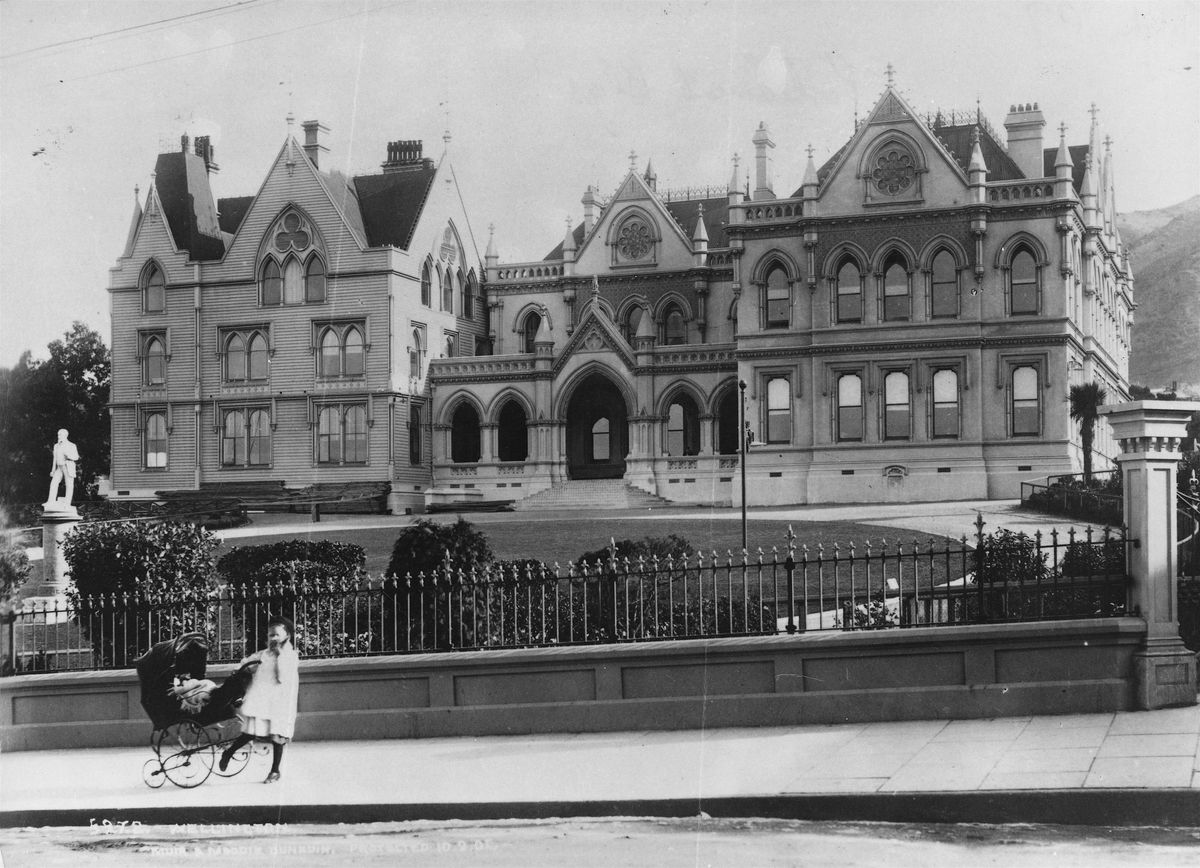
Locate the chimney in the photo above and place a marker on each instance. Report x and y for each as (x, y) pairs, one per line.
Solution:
(184, 143)
(762, 166)
(589, 209)
(1024, 126)
(204, 150)
(405, 155)
(312, 140)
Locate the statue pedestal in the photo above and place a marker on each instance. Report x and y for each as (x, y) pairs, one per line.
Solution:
(58, 519)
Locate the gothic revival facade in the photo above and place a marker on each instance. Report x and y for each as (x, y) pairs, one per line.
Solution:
(284, 338)
(907, 325)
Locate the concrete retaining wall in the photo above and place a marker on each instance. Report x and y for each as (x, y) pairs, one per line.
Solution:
(816, 678)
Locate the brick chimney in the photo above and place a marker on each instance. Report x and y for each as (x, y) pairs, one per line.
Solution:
(312, 140)
(204, 150)
(1024, 126)
(405, 155)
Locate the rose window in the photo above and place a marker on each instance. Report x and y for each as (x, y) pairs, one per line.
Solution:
(291, 235)
(894, 172)
(634, 240)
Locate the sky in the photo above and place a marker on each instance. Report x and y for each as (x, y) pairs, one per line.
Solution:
(540, 100)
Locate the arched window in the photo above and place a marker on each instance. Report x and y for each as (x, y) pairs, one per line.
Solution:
(156, 441)
(633, 319)
(329, 436)
(156, 361)
(778, 300)
(355, 434)
(849, 407)
(464, 434)
(353, 359)
(943, 286)
(533, 322)
(233, 439)
(1023, 277)
(258, 357)
(293, 281)
(314, 279)
(414, 356)
(465, 289)
(331, 351)
(674, 329)
(897, 414)
(1026, 406)
(779, 410)
(260, 437)
(849, 293)
(727, 424)
(447, 292)
(154, 295)
(601, 439)
(272, 283)
(945, 403)
(683, 427)
(426, 290)
(414, 436)
(513, 440)
(235, 358)
(896, 298)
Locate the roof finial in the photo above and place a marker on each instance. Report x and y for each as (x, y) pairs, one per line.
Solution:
(1108, 143)
(811, 150)
(291, 119)
(595, 286)
(632, 160)
(137, 192)
(1093, 111)
(1062, 130)
(891, 74)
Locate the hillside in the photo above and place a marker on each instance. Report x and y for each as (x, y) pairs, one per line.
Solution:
(1164, 248)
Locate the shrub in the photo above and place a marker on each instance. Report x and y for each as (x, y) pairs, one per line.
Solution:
(663, 547)
(423, 548)
(1010, 556)
(15, 570)
(148, 564)
(244, 565)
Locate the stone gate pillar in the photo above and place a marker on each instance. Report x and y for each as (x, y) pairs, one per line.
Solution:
(1149, 434)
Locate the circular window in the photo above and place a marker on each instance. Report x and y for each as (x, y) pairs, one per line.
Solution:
(894, 171)
(634, 240)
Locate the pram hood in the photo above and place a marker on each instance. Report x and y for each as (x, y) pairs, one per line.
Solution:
(186, 655)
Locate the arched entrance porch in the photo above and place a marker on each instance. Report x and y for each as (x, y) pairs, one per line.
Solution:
(597, 430)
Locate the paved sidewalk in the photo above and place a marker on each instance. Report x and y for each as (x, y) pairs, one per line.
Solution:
(1134, 768)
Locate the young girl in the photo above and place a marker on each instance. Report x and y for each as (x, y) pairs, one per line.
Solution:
(268, 711)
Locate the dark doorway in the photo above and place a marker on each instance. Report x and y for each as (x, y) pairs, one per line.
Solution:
(727, 424)
(513, 435)
(597, 430)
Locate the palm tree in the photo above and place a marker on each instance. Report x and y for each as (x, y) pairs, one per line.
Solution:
(1086, 401)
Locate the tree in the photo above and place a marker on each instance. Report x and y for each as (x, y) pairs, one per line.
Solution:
(1086, 401)
(83, 362)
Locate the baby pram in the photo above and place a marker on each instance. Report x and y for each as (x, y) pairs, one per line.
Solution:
(190, 714)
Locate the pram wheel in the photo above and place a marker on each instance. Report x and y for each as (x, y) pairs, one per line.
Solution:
(191, 765)
(153, 774)
(237, 761)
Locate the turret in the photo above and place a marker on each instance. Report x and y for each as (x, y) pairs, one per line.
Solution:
(808, 188)
(762, 164)
(977, 170)
(569, 250)
(1063, 167)
(543, 343)
(1091, 214)
(651, 178)
(490, 258)
(735, 194)
(700, 240)
(643, 340)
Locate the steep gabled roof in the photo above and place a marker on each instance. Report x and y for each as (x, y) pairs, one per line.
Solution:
(341, 191)
(1079, 155)
(390, 204)
(232, 211)
(183, 189)
(957, 139)
(716, 217)
(557, 252)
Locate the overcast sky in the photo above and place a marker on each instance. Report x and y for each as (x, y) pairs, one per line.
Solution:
(541, 99)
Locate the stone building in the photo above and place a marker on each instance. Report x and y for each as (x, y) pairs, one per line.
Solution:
(907, 324)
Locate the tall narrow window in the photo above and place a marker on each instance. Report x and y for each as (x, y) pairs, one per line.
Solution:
(233, 439)
(293, 281)
(272, 283)
(156, 361)
(727, 424)
(683, 427)
(156, 440)
(945, 403)
(414, 436)
(355, 422)
(464, 290)
(533, 322)
(331, 351)
(944, 286)
(329, 436)
(258, 357)
(778, 299)
(314, 279)
(414, 356)
(260, 437)
(849, 293)
(353, 353)
(674, 329)
(897, 415)
(235, 358)
(779, 410)
(426, 290)
(1024, 278)
(1026, 408)
(464, 435)
(447, 292)
(512, 436)
(601, 444)
(849, 407)
(154, 295)
(633, 319)
(896, 301)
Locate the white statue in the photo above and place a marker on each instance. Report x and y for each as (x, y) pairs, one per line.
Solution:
(63, 469)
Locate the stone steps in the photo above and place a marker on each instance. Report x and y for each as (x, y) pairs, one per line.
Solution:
(590, 494)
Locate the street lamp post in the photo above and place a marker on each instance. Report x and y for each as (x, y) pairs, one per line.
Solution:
(743, 431)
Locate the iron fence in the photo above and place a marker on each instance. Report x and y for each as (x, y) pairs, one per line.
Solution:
(1002, 577)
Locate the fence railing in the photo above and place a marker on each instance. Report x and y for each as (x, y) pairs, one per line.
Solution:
(1074, 502)
(1003, 577)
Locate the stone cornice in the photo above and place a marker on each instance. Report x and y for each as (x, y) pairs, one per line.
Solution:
(903, 346)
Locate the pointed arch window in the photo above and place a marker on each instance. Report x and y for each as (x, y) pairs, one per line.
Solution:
(272, 283)
(293, 281)
(414, 436)
(601, 439)
(314, 279)
(235, 358)
(233, 439)
(155, 441)
(342, 434)
(154, 356)
(945, 403)
(259, 451)
(154, 290)
(529, 330)
(777, 301)
(674, 330)
(426, 286)
(331, 352)
(512, 435)
(342, 350)
(415, 356)
(1023, 283)
(897, 409)
(329, 436)
(683, 427)
(464, 435)
(897, 300)
(849, 407)
(246, 353)
(633, 319)
(468, 291)
(943, 286)
(849, 292)
(258, 357)
(448, 291)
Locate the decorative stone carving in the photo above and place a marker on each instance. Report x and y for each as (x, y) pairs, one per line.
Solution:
(894, 171)
(634, 240)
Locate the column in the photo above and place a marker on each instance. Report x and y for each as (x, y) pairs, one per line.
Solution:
(1149, 434)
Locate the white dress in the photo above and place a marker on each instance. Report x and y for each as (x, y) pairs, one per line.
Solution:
(269, 707)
